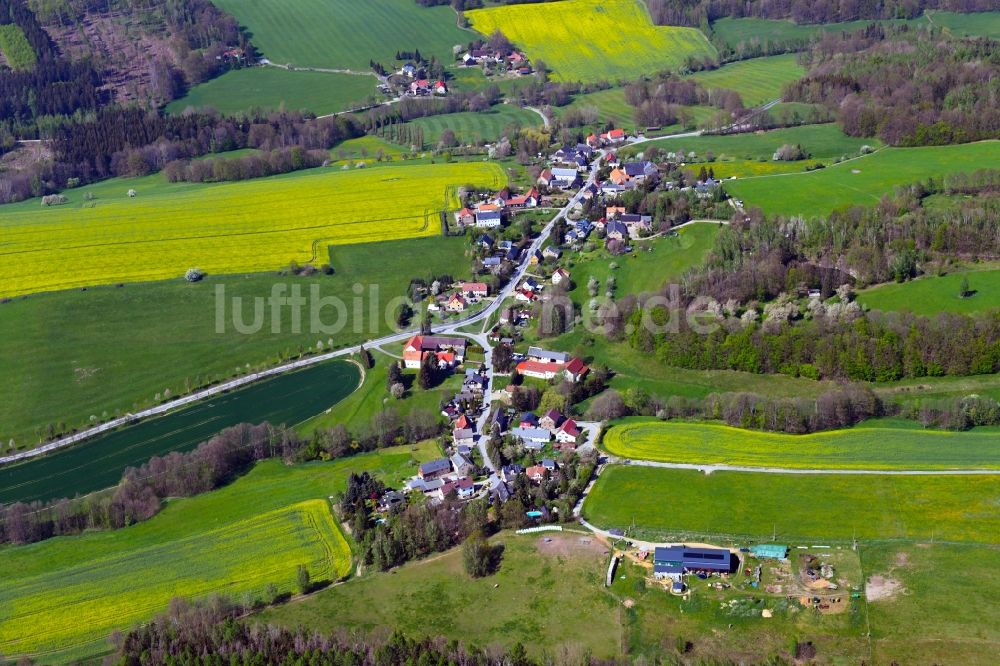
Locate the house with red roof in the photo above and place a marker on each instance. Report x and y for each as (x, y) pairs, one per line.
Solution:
(613, 136)
(576, 370)
(567, 433)
(536, 473)
(539, 370)
(465, 217)
(440, 87)
(463, 487)
(450, 349)
(478, 289)
(545, 178)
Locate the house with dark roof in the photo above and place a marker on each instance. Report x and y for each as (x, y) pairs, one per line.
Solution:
(434, 469)
(616, 230)
(532, 438)
(565, 178)
(546, 356)
(550, 420)
(640, 171)
(674, 561)
(489, 219)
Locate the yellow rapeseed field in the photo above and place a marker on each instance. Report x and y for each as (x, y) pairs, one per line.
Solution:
(593, 40)
(83, 603)
(257, 225)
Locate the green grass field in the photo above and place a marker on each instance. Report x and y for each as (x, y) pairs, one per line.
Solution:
(612, 108)
(15, 48)
(168, 228)
(667, 260)
(240, 90)
(538, 597)
(99, 463)
(935, 618)
(978, 24)
(356, 410)
(878, 444)
(820, 141)
(475, 127)
(825, 507)
(859, 182)
(340, 34)
(234, 541)
(72, 354)
(758, 80)
(932, 294)
(623, 42)
(733, 31)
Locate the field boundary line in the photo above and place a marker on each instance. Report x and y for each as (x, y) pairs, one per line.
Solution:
(750, 469)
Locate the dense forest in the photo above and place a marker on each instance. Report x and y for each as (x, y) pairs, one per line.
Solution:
(905, 88)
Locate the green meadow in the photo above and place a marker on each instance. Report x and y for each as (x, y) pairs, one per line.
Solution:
(819, 141)
(860, 182)
(339, 34)
(978, 24)
(878, 444)
(99, 463)
(475, 127)
(240, 90)
(236, 541)
(732, 31)
(819, 507)
(72, 354)
(932, 294)
(758, 80)
(545, 586)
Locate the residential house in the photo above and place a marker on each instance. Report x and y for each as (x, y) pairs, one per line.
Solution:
(456, 303)
(493, 264)
(464, 436)
(462, 422)
(674, 561)
(475, 381)
(560, 275)
(461, 464)
(526, 201)
(488, 219)
(610, 189)
(429, 486)
(593, 140)
(616, 230)
(485, 241)
(550, 420)
(549, 464)
(528, 420)
(434, 469)
(498, 489)
(637, 225)
(576, 370)
(532, 438)
(451, 349)
(511, 472)
(565, 178)
(440, 87)
(477, 289)
(639, 171)
(408, 70)
(613, 212)
(531, 284)
(613, 136)
(567, 433)
(390, 500)
(590, 191)
(618, 176)
(525, 296)
(551, 252)
(463, 487)
(536, 473)
(539, 370)
(465, 217)
(545, 178)
(536, 258)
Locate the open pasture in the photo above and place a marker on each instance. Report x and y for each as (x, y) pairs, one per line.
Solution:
(593, 40)
(340, 34)
(687, 503)
(757, 81)
(474, 127)
(874, 445)
(819, 141)
(860, 182)
(223, 228)
(67, 594)
(977, 24)
(240, 90)
(932, 294)
(732, 31)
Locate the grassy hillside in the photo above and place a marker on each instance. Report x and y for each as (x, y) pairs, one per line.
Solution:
(272, 87)
(236, 540)
(253, 225)
(68, 355)
(475, 127)
(593, 40)
(820, 141)
(932, 294)
(859, 182)
(979, 24)
(758, 80)
(340, 34)
(875, 445)
(733, 31)
(542, 590)
(661, 502)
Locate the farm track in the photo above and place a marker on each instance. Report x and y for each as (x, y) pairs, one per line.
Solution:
(708, 469)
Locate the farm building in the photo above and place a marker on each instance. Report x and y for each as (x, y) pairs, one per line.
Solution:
(421, 345)
(488, 219)
(546, 356)
(434, 469)
(673, 561)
